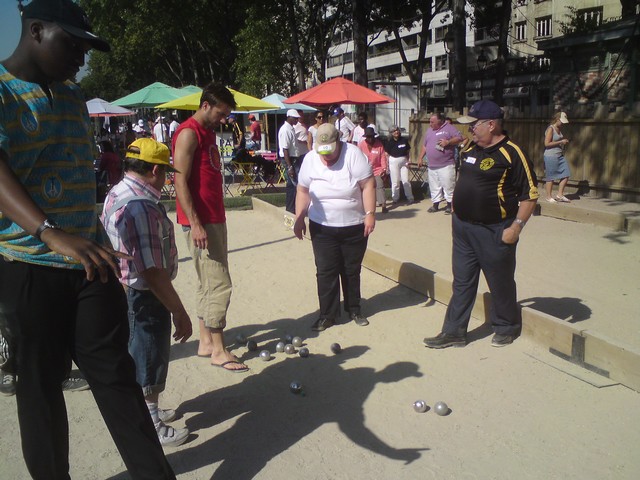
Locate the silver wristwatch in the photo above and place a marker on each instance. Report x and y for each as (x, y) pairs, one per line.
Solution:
(46, 224)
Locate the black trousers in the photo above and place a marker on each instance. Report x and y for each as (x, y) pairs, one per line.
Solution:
(338, 253)
(54, 313)
(478, 247)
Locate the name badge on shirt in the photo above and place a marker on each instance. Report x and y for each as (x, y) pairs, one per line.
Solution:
(471, 160)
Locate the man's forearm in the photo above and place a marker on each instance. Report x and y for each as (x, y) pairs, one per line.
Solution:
(160, 285)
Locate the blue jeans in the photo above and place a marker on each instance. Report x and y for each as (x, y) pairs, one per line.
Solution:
(292, 183)
(149, 339)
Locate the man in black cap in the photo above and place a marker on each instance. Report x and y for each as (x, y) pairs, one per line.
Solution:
(59, 294)
(495, 195)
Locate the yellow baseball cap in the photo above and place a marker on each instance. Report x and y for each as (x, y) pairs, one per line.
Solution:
(150, 151)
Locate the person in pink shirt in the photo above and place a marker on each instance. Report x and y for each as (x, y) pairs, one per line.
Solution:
(374, 150)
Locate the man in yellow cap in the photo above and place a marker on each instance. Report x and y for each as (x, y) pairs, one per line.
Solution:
(137, 224)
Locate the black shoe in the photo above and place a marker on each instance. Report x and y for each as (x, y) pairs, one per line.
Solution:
(75, 384)
(384, 209)
(499, 340)
(322, 324)
(447, 209)
(7, 384)
(443, 340)
(359, 319)
(433, 208)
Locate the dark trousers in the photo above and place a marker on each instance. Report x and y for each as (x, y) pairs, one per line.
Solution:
(478, 247)
(292, 183)
(338, 253)
(54, 313)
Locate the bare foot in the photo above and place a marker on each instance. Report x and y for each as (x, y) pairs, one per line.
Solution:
(226, 356)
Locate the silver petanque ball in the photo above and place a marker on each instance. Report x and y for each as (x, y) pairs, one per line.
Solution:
(420, 406)
(441, 408)
(265, 355)
(288, 338)
(252, 346)
(336, 348)
(241, 339)
(304, 352)
(295, 387)
(289, 349)
(296, 342)
(280, 347)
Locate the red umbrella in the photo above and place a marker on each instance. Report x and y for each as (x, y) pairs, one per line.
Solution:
(338, 91)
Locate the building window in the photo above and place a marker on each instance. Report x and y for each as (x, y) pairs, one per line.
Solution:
(334, 61)
(347, 57)
(592, 17)
(441, 32)
(543, 26)
(441, 63)
(521, 3)
(521, 31)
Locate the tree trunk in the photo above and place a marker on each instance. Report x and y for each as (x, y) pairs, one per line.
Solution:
(459, 55)
(505, 17)
(359, 12)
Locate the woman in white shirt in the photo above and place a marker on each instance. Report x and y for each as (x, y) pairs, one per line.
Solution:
(336, 190)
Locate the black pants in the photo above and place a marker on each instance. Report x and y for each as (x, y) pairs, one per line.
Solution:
(292, 183)
(338, 253)
(53, 313)
(476, 248)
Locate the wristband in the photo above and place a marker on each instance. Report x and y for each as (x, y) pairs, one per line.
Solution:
(370, 212)
(522, 223)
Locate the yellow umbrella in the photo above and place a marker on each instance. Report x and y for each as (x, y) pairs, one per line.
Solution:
(244, 102)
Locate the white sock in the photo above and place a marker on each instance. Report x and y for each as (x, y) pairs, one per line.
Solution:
(153, 411)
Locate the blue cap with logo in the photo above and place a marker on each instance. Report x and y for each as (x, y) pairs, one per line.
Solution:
(482, 110)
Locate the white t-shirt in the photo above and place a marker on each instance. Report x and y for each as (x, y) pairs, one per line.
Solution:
(287, 139)
(173, 126)
(344, 126)
(301, 138)
(313, 130)
(358, 134)
(160, 132)
(336, 196)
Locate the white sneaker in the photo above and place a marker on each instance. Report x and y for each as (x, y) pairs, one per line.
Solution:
(552, 200)
(166, 415)
(171, 437)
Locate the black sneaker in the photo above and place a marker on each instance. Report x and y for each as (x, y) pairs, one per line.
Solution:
(359, 319)
(75, 384)
(447, 209)
(433, 208)
(7, 384)
(322, 324)
(499, 340)
(443, 340)
(384, 209)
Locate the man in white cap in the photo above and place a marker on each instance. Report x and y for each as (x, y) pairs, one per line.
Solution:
(290, 157)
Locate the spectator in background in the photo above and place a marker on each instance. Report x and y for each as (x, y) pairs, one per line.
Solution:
(398, 150)
(255, 140)
(161, 131)
(358, 131)
(439, 145)
(321, 118)
(237, 133)
(302, 135)
(344, 125)
(173, 126)
(290, 158)
(555, 166)
(110, 163)
(374, 150)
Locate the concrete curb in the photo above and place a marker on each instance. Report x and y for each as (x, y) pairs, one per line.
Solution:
(586, 348)
(613, 220)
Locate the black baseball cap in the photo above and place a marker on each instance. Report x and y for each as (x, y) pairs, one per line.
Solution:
(68, 16)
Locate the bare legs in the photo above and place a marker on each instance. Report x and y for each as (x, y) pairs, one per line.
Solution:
(548, 186)
(212, 343)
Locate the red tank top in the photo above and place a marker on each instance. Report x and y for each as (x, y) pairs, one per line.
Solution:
(205, 182)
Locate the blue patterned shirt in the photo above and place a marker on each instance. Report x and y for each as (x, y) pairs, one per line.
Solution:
(49, 148)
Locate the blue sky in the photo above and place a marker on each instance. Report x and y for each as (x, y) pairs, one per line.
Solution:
(9, 27)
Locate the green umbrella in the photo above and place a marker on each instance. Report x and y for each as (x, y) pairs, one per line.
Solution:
(150, 96)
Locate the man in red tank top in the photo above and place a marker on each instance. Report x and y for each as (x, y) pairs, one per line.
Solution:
(200, 210)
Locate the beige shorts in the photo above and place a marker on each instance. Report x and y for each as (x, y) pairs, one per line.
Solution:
(214, 282)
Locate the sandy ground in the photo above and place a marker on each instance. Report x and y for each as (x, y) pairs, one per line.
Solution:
(512, 414)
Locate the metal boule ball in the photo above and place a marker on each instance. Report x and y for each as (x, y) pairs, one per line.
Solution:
(336, 348)
(304, 352)
(280, 347)
(289, 349)
(295, 387)
(296, 342)
(441, 408)
(288, 338)
(241, 339)
(420, 406)
(252, 346)
(265, 355)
